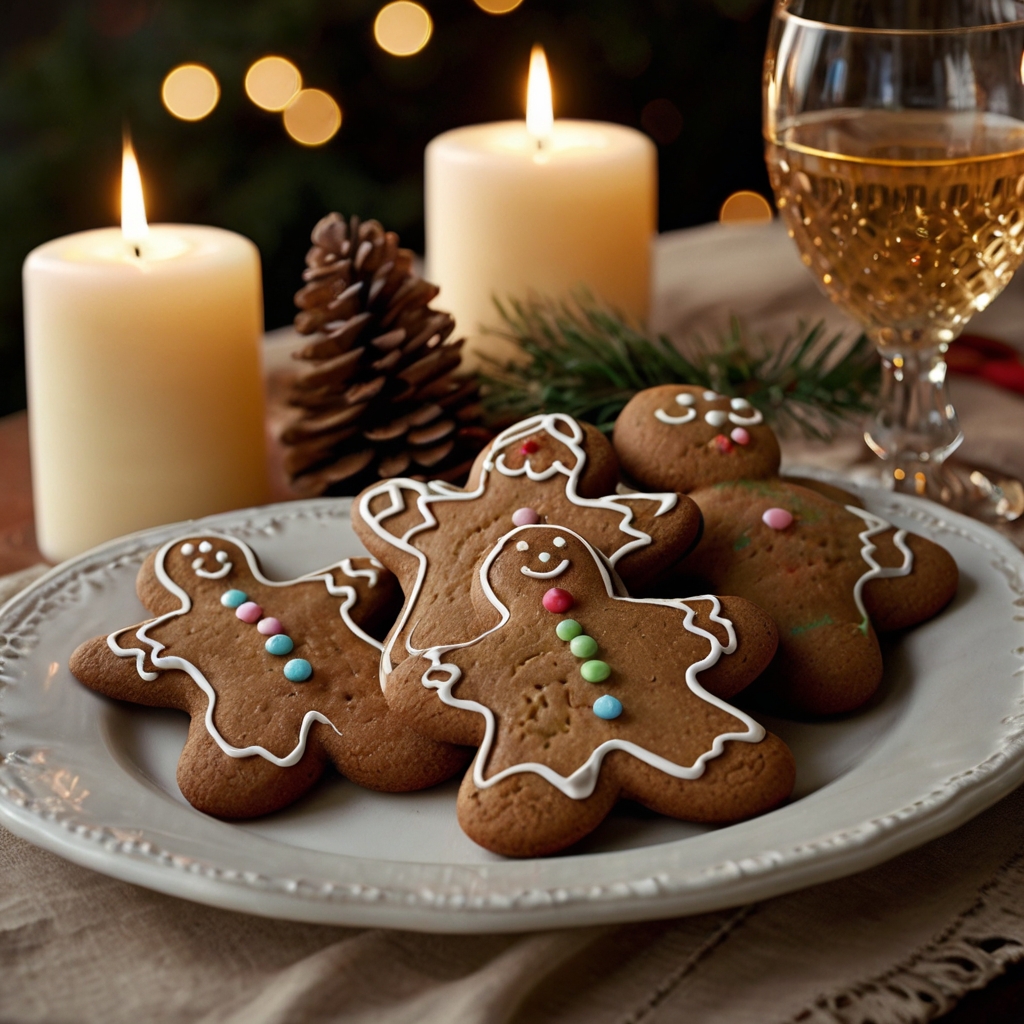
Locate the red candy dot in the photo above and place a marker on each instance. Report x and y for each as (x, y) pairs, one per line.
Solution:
(557, 600)
(529, 447)
(723, 444)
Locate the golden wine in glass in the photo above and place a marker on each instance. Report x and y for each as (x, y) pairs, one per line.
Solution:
(895, 145)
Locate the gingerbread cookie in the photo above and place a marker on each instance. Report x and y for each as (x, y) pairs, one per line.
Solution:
(578, 696)
(279, 677)
(830, 574)
(545, 469)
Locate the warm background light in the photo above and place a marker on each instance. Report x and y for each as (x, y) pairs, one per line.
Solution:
(134, 226)
(539, 104)
(312, 118)
(497, 6)
(745, 208)
(272, 82)
(190, 92)
(402, 28)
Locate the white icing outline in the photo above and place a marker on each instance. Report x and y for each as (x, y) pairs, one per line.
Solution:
(550, 575)
(582, 782)
(438, 491)
(875, 526)
(348, 593)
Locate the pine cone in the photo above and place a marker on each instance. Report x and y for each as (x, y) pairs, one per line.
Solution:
(378, 396)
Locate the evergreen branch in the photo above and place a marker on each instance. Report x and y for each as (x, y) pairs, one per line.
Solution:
(585, 360)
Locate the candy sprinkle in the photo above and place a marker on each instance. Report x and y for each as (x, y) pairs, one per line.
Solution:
(595, 671)
(557, 600)
(777, 518)
(607, 707)
(568, 629)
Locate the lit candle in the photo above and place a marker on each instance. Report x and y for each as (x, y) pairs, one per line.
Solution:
(539, 206)
(144, 381)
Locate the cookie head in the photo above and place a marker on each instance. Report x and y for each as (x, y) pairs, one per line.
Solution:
(681, 438)
(542, 447)
(545, 569)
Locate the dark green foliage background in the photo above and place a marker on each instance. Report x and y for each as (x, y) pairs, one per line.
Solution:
(72, 72)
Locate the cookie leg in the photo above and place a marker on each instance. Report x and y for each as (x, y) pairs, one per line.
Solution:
(524, 816)
(388, 756)
(747, 779)
(241, 787)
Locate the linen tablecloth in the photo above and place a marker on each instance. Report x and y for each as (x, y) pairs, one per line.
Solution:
(899, 943)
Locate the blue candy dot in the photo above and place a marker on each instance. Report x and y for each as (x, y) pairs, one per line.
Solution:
(298, 670)
(233, 598)
(281, 644)
(607, 707)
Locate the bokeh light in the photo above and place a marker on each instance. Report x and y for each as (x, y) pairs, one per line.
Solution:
(272, 82)
(312, 118)
(745, 208)
(190, 92)
(402, 28)
(497, 6)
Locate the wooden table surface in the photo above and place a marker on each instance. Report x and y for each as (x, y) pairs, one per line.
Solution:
(1002, 1002)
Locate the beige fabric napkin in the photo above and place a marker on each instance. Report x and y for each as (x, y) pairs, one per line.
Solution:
(899, 943)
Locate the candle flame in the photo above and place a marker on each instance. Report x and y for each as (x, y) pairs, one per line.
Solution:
(540, 114)
(134, 225)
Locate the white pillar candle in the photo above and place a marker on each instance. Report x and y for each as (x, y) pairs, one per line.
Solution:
(506, 216)
(144, 382)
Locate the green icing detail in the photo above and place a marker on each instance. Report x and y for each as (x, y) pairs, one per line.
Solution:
(825, 620)
(742, 541)
(863, 627)
(568, 629)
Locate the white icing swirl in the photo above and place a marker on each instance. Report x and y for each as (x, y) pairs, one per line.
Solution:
(875, 526)
(684, 399)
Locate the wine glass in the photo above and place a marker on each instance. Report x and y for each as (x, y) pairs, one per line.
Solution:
(895, 144)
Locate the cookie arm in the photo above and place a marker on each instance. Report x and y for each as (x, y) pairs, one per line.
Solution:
(674, 531)
(756, 641)
(96, 665)
(898, 602)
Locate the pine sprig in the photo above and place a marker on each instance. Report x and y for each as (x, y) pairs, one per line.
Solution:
(585, 360)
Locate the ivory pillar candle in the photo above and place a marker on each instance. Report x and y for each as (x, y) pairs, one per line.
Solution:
(144, 381)
(507, 214)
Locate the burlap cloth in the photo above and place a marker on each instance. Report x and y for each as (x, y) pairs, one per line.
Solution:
(901, 942)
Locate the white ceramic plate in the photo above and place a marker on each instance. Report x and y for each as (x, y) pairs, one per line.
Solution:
(93, 780)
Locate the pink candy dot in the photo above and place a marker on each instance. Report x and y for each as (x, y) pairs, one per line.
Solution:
(557, 600)
(249, 612)
(269, 627)
(525, 517)
(740, 436)
(777, 518)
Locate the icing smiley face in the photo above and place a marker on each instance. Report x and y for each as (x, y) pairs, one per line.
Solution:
(549, 563)
(623, 699)
(683, 437)
(272, 699)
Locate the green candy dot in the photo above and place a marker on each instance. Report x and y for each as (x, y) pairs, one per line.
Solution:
(568, 629)
(595, 671)
(584, 647)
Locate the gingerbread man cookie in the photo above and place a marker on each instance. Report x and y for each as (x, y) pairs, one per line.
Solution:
(279, 678)
(578, 696)
(545, 469)
(829, 573)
